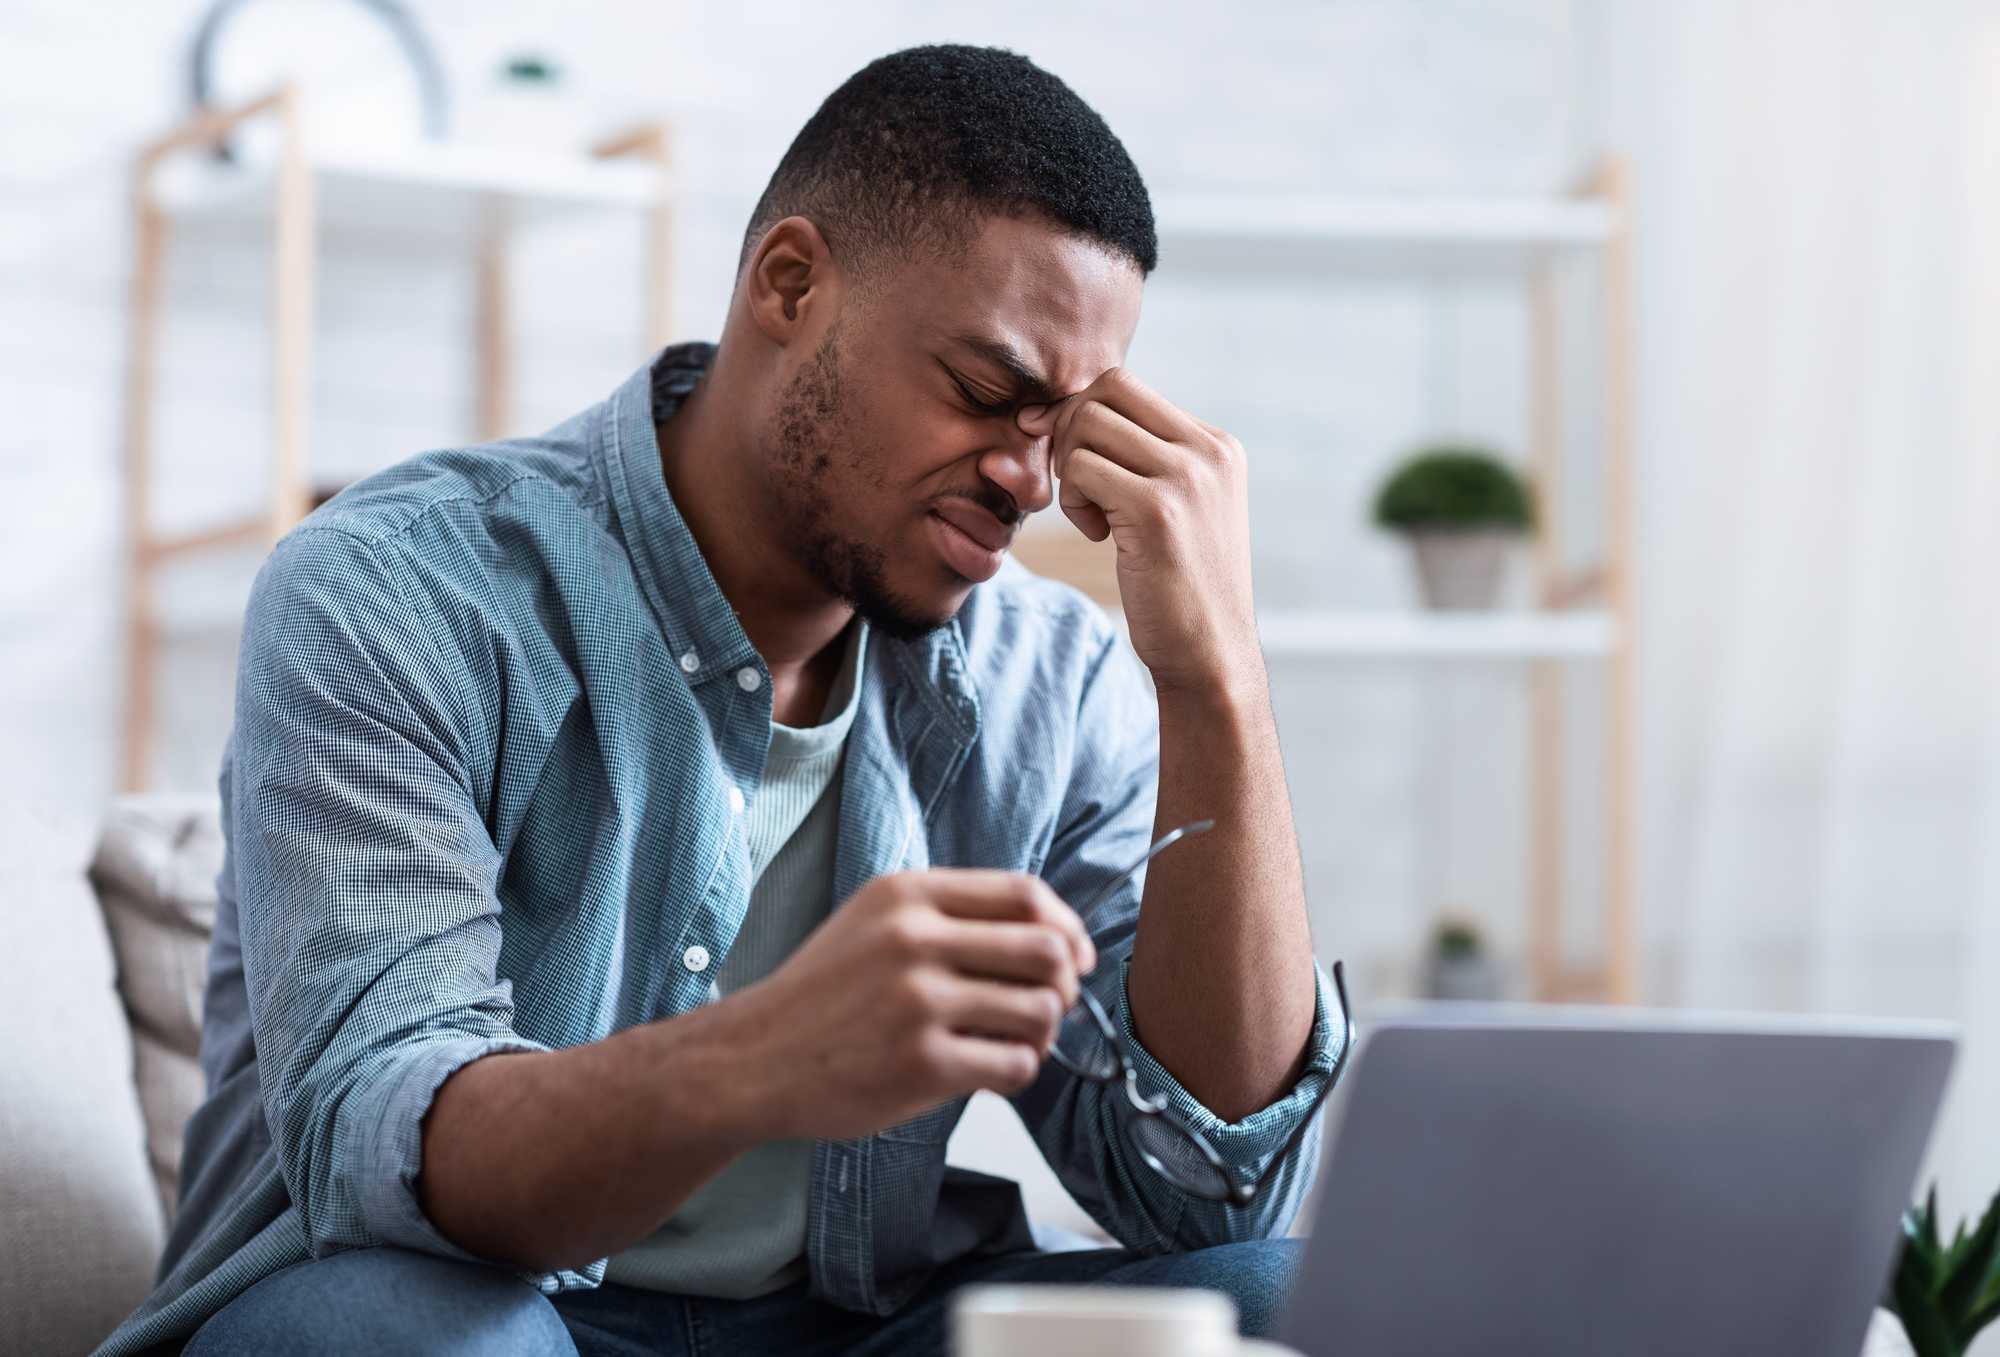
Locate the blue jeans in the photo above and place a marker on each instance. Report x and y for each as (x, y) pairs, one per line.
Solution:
(389, 1302)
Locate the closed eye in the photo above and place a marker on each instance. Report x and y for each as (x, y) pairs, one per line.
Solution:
(983, 407)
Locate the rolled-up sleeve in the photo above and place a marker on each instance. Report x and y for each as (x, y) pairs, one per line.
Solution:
(1108, 821)
(1245, 1146)
(370, 923)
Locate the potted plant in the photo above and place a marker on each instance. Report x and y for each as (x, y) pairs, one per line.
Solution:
(1945, 1294)
(1461, 507)
(1459, 967)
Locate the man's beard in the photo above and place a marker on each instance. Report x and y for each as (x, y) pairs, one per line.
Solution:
(809, 437)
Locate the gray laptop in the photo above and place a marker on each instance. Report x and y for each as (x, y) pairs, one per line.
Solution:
(1502, 1182)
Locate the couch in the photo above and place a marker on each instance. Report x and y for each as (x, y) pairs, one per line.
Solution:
(103, 953)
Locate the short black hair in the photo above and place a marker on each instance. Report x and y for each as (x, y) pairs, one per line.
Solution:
(918, 147)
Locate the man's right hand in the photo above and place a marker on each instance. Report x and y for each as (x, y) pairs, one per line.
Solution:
(923, 987)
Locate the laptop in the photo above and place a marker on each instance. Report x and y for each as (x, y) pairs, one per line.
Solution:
(1541, 1182)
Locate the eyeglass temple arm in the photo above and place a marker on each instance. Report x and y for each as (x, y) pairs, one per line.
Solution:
(1171, 837)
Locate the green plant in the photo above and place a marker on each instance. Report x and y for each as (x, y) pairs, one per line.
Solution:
(531, 69)
(1454, 488)
(1456, 940)
(1945, 1295)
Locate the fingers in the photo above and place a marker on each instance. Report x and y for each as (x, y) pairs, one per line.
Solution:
(1093, 481)
(973, 1062)
(1008, 952)
(1120, 425)
(1102, 428)
(1121, 392)
(1082, 511)
(1028, 1014)
(1007, 897)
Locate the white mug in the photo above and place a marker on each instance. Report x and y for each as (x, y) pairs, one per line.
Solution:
(1097, 1321)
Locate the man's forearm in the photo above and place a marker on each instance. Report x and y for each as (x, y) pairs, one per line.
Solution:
(556, 1159)
(1221, 985)
(922, 987)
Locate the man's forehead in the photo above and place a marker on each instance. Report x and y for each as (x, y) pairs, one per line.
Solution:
(1047, 352)
(1048, 366)
(1050, 309)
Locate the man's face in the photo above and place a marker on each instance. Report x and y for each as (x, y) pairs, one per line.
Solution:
(900, 468)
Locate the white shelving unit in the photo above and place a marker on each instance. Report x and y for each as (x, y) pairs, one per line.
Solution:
(424, 190)
(1439, 636)
(1422, 234)
(467, 200)
(1532, 239)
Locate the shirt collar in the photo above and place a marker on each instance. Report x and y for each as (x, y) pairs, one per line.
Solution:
(696, 619)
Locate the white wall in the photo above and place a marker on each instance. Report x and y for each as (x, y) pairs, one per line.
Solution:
(1819, 277)
(1407, 781)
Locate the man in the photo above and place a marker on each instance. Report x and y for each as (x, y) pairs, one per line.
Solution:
(532, 1022)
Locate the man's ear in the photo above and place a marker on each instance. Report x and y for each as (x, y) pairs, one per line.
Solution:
(791, 273)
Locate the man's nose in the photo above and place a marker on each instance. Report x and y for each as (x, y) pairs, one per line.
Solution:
(1022, 467)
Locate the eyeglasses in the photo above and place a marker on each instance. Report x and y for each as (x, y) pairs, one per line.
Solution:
(1089, 1046)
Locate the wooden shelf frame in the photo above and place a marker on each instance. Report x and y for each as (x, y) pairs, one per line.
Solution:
(295, 203)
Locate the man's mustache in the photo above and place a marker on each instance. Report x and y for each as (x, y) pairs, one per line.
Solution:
(993, 500)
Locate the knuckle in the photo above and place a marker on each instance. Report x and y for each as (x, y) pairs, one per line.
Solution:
(922, 1057)
(1018, 1069)
(913, 993)
(1049, 949)
(886, 894)
(903, 933)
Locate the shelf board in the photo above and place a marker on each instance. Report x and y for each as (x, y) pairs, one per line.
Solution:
(1252, 233)
(1438, 635)
(426, 190)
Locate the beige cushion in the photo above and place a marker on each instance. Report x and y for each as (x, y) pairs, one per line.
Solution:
(171, 1087)
(155, 873)
(80, 1223)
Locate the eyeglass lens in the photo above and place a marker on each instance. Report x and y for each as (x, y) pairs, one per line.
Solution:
(1081, 1047)
(1085, 1046)
(1170, 1152)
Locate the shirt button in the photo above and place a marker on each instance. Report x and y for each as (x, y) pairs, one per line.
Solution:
(695, 958)
(747, 679)
(735, 804)
(690, 662)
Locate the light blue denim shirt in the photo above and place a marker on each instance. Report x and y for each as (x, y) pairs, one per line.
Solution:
(488, 720)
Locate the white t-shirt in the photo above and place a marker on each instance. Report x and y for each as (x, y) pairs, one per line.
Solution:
(744, 1233)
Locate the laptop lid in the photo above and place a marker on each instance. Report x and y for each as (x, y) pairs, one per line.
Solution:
(1514, 1181)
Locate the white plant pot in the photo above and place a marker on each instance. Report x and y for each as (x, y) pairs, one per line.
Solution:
(1473, 978)
(1461, 571)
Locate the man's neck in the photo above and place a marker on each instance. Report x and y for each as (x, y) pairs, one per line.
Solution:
(711, 460)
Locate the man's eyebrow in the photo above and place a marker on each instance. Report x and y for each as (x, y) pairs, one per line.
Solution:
(1031, 385)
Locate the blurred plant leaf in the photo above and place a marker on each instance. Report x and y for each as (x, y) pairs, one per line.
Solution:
(1968, 1269)
(1945, 1295)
